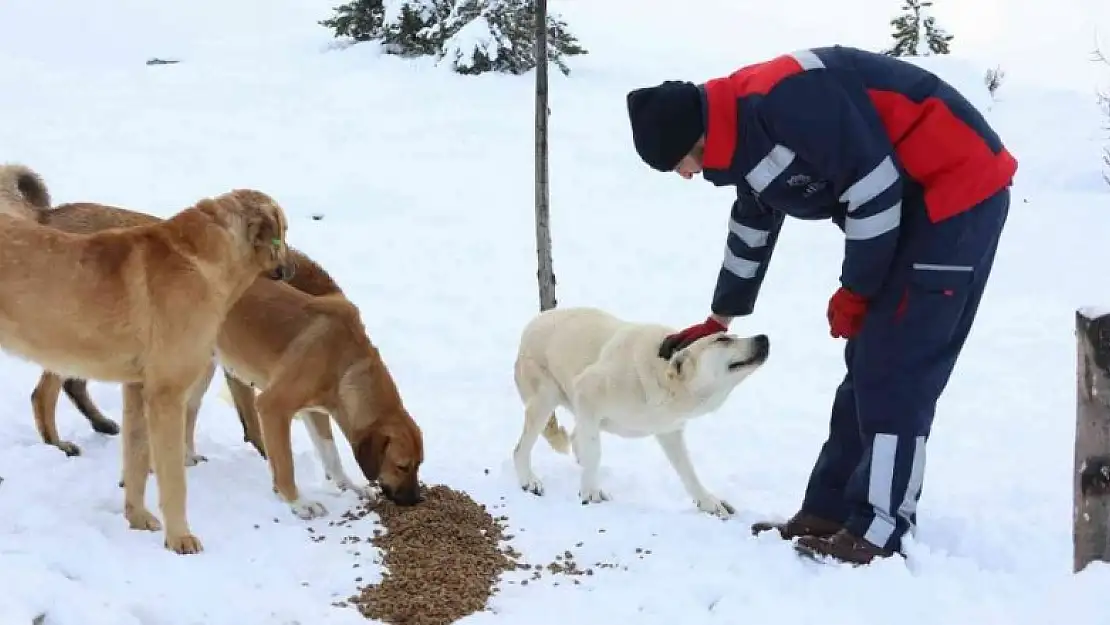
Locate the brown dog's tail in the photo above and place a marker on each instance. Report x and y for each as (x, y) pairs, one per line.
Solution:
(22, 192)
(336, 307)
(331, 303)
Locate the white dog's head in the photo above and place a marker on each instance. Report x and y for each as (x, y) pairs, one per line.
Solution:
(718, 362)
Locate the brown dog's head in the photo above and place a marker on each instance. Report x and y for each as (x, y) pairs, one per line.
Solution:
(264, 226)
(390, 452)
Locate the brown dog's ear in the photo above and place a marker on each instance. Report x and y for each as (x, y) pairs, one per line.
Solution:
(371, 453)
(261, 230)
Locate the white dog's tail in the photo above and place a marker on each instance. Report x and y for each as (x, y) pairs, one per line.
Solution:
(225, 395)
(22, 192)
(556, 435)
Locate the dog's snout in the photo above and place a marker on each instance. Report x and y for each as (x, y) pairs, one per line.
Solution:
(762, 345)
(404, 496)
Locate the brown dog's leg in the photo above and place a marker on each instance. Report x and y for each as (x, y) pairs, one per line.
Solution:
(243, 396)
(77, 391)
(276, 410)
(44, 405)
(136, 461)
(318, 425)
(164, 402)
(192, 408)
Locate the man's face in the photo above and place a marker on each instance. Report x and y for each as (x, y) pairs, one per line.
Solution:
(692, 163)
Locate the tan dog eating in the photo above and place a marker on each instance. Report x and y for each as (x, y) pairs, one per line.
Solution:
(311, 354)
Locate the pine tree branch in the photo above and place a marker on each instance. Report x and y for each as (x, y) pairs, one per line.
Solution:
(472, 36)
(1100, 57)
(1104, 103)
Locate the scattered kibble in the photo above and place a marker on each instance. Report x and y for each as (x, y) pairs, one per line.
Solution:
(443, 559)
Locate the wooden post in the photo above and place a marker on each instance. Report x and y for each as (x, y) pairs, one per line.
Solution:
(1091, 483)
(545, 272)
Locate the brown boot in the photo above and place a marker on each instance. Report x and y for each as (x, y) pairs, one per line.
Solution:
(801, 524)
(841, 546)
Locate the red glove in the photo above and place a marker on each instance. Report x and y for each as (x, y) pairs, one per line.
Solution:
(678, 340)
(846, 312)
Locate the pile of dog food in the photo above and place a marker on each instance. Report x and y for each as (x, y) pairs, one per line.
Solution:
(442, 559)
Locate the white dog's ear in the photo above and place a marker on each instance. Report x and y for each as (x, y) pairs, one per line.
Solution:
(679, 365)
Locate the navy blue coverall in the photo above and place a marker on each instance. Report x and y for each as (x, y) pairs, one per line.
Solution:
(919, 184)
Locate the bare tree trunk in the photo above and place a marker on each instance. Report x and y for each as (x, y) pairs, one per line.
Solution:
(1091, 483)
(1104, 104)
(545, 273)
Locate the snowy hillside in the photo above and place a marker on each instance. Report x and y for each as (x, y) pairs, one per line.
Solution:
(425, 183)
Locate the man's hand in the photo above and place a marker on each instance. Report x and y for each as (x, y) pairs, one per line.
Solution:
(846, 313)
(678, 340)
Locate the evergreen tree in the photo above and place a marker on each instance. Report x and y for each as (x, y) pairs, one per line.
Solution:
(499, 36)
(402, 26)
(916, 32)
(1104, 103)
(358, 21)
(473, 36)
(409, 27)
(936, 38)
(993, 79)
(907, 30)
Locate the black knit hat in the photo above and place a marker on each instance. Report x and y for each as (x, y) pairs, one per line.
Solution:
(666, 122)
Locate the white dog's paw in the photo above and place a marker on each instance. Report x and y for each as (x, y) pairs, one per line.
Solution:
(193, 459)
(716, 507)
(532, 484)
(306, 509)
(364, 491)
(593, 495)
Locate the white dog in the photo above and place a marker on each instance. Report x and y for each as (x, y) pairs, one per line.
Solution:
(607, 372)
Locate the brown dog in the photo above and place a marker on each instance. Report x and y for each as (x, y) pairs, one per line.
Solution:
(387, 442)
(141, 306)
(312, 355)
(87, 218)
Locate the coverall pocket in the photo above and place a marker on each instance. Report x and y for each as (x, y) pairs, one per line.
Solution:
(938, 291)
(943, 279)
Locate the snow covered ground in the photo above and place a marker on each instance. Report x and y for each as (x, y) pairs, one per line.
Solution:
(425, 183)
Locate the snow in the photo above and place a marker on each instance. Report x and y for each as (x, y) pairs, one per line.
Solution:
(393, 10)
(425, 181)
(475, 37)
(1094, 312)
(966, 75)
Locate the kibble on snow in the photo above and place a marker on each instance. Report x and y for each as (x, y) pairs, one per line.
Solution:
(442, 560)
